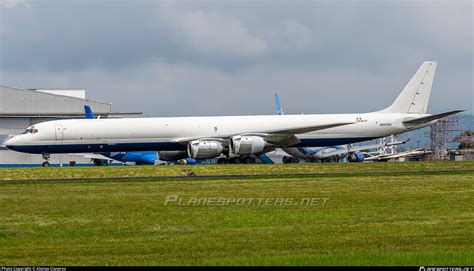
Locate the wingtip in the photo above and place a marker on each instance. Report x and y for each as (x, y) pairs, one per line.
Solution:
(458, 111)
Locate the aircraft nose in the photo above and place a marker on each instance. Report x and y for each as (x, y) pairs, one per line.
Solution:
(12, 142)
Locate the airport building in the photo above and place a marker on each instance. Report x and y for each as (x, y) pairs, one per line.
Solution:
(21, 108)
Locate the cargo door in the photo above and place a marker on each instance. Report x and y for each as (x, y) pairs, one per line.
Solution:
(59, 132)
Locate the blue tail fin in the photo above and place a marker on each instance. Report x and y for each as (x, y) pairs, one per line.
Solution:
(88, 112)
(279, 109)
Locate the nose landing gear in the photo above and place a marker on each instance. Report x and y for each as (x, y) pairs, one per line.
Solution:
(46, 157)
(236, 160)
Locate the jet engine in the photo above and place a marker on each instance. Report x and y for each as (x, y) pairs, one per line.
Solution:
(172, 155)
(246, 145)
(204, 149)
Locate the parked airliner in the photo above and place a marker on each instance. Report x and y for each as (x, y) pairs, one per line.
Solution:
(207, 137)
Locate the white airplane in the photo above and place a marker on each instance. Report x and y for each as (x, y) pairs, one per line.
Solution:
(208, 137)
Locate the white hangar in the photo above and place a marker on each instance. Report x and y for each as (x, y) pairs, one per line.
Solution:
(20, 108)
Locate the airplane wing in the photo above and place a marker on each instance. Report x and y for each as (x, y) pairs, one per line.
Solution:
(287, 137)
(280, 137)
(307, 129)
(414, 122)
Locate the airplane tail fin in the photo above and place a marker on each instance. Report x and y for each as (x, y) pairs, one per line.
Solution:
(416, 94)
(88, 112)
(279, 109)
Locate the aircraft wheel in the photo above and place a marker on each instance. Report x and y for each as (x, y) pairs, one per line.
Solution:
(97, 162)
(287, 160)
(222, 161)
(45, 164)
(247, 160)
(234, 160)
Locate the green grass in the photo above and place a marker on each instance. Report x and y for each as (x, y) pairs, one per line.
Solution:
(367, 220)
(210, 170)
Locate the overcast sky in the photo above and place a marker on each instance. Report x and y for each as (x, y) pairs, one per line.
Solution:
(229, 57)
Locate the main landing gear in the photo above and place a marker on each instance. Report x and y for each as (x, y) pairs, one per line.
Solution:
(100, 162)
(46, 157)
(289, 160)
(236, 160)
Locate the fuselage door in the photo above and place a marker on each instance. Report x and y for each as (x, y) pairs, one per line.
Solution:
(59, 132)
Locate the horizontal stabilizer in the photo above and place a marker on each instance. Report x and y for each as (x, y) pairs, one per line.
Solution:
(415, 122)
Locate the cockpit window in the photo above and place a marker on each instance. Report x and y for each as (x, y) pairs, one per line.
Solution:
(30, 130)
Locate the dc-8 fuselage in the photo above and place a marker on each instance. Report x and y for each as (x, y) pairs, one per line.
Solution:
(141, 134)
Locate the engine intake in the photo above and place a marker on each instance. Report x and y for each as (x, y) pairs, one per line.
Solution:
(245, 145)
(204, 149)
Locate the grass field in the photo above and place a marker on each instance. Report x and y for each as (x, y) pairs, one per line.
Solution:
(213, 170)
(393, 219)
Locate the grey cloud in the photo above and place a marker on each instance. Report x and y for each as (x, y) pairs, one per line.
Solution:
(212, 33)
(209, 58)
(165, 89)
(13, 3)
